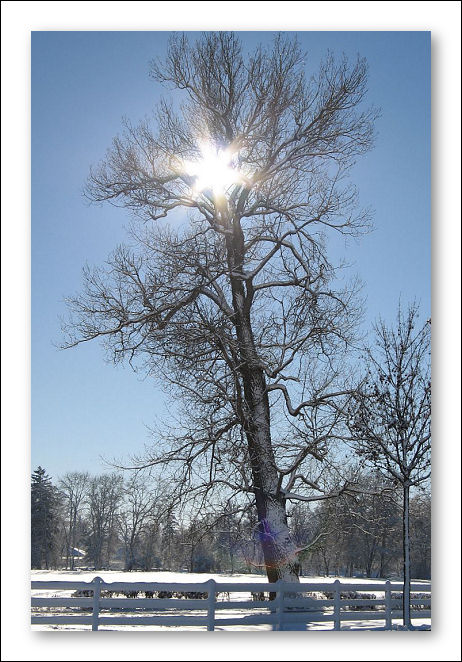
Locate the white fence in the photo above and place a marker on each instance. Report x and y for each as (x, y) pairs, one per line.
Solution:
(210, 605)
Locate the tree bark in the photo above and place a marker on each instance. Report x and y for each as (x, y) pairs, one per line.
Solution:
(278, 546)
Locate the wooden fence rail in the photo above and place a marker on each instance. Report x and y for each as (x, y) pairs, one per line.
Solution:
(209, 604)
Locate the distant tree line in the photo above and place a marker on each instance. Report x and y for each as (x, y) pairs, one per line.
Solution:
(108, 521)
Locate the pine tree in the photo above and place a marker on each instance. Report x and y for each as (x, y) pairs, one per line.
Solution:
(44, 519)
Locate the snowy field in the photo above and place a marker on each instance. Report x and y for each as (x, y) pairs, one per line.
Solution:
(186, 577)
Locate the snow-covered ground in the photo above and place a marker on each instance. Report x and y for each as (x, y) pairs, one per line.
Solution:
(148, 576)
(183, 577)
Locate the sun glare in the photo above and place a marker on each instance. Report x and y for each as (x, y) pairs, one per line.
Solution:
(214, 170)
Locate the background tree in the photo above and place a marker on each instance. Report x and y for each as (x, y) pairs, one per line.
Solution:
(230, 533)
(44, 520)
(104, 498)
(133, 518)
(355, 532)
(169, 537)
(239, 311)
(390, 420)
(73, 487)
(370, 519)
(420, 534)
(143, 507)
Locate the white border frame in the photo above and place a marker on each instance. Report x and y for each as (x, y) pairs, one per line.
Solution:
(19, 19)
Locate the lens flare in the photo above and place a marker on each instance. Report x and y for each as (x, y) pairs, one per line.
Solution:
(214, 171)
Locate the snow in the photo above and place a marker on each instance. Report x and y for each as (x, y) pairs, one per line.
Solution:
(187, 577)
(80, 575)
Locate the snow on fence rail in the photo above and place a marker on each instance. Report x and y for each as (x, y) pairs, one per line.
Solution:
(208, 604)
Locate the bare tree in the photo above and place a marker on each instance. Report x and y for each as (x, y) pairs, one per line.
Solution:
(238, 311)
(229, 531)
(104, 498)
(368, 521)
(74, 487)
(140, 515)
(390, 420)
(420, 525)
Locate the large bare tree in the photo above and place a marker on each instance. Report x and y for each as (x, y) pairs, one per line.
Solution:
(237, 310)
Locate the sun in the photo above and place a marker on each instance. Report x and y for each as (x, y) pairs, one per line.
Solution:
(214, 170)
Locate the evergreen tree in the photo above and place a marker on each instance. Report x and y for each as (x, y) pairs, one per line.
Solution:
(44, 519)
(169, 538)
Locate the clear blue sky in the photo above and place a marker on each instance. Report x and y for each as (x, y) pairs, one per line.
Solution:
(82, 85)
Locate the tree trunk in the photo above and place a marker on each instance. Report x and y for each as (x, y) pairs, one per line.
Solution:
(368, 567)
(406, 560)
(67, 542)
(278, 546)
(326, 565)
(382, 556)
(73, 537)
(370, 560)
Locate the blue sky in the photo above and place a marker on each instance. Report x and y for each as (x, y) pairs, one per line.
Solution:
(82, 85)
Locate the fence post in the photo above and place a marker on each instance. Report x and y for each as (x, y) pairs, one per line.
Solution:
(96, 593)
(387, 605)
(211, 590)
(279, 603)
(337, 625)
